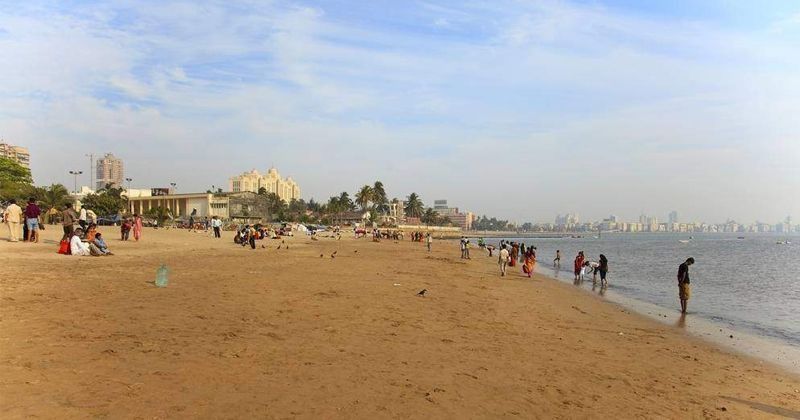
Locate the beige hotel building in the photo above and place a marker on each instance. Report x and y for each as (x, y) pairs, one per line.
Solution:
(16, 153)
(252, 181)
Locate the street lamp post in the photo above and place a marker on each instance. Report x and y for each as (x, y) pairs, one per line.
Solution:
(174, 187)
(75, 174)
(91, 169)
(129, 185)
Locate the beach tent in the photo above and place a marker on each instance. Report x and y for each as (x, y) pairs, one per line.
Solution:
(302, 228)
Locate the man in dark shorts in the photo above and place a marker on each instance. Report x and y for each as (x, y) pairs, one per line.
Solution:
(684, 285)
(68, 218)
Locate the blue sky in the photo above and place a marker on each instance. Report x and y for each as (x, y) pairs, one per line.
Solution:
(520, 109)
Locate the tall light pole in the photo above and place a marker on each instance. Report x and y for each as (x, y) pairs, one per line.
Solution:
(75, 174)
(174, 187)
(129, 185)
(91, 170)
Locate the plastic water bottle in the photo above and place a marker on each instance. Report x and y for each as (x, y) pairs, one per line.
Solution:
(162, 276)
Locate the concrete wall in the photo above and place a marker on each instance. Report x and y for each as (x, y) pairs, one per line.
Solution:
(430, 228)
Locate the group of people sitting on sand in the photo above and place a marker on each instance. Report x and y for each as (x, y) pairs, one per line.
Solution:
(85, 243)
(249, 234)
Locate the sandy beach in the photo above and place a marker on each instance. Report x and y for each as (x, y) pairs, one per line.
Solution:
(297, 333)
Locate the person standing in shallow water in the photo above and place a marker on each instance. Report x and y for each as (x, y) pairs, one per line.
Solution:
(684, 285)
(578, 267)
(557, 259)
(602, 268)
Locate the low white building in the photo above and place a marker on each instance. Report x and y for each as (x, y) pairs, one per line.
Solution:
(182, 205)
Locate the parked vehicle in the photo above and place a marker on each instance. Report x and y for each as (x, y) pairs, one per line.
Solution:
(110, 220)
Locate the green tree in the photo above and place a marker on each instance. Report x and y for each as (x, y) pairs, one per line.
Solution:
(160, 214)
(15, 180)
(11, 171)
(429, 217)
(313, 205)
(107, 201)
(346, 202)
(379, 198)
(364, 196)
(414, 206)
(276, 206)
(56, 195)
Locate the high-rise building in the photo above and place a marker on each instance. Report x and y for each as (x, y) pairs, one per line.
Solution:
(272, 182)
(568, 220)
(109, 171)
(462, 220)
(673, 217)
(16, 153)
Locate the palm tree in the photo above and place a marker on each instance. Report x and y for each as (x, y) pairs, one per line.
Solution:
(53, 196)
(430, 217)
(414, 206)
(345, 201)
(379, 198)
(364, 196)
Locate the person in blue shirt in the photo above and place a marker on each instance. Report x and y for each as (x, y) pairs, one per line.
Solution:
(100, 243)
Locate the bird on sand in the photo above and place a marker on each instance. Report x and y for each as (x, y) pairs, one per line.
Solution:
(422, 292)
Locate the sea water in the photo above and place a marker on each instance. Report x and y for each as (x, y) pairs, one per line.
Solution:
(750, 284)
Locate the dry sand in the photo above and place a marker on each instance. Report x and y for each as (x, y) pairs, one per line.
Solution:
(269, 333)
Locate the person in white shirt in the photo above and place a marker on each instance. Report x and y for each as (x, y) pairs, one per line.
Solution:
(80, 248)
(82, 218)
(593, 267)
(503, 260)
(90, 215)
(13, 216)
(429, 240)
(216, 224)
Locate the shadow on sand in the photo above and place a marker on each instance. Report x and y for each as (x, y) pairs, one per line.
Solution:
(771, 409)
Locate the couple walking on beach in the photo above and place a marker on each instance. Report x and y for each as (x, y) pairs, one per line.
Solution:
(509, 258)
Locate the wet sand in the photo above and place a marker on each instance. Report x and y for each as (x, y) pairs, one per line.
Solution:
(286, 333)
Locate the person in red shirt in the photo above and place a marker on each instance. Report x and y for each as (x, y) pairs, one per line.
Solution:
(32, 213)
(579, 259)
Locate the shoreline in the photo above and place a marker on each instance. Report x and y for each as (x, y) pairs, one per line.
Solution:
(306, 333)
(762, 348)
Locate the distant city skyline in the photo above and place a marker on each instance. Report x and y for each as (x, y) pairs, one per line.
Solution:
(517, 110)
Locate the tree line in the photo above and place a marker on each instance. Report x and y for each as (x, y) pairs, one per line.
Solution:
(16, 182)
(370, 199)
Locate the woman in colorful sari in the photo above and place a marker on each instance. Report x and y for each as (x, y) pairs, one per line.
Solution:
(530, 262)
(579, 260)
(137, 226)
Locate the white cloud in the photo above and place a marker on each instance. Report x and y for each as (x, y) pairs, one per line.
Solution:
(520, 88)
